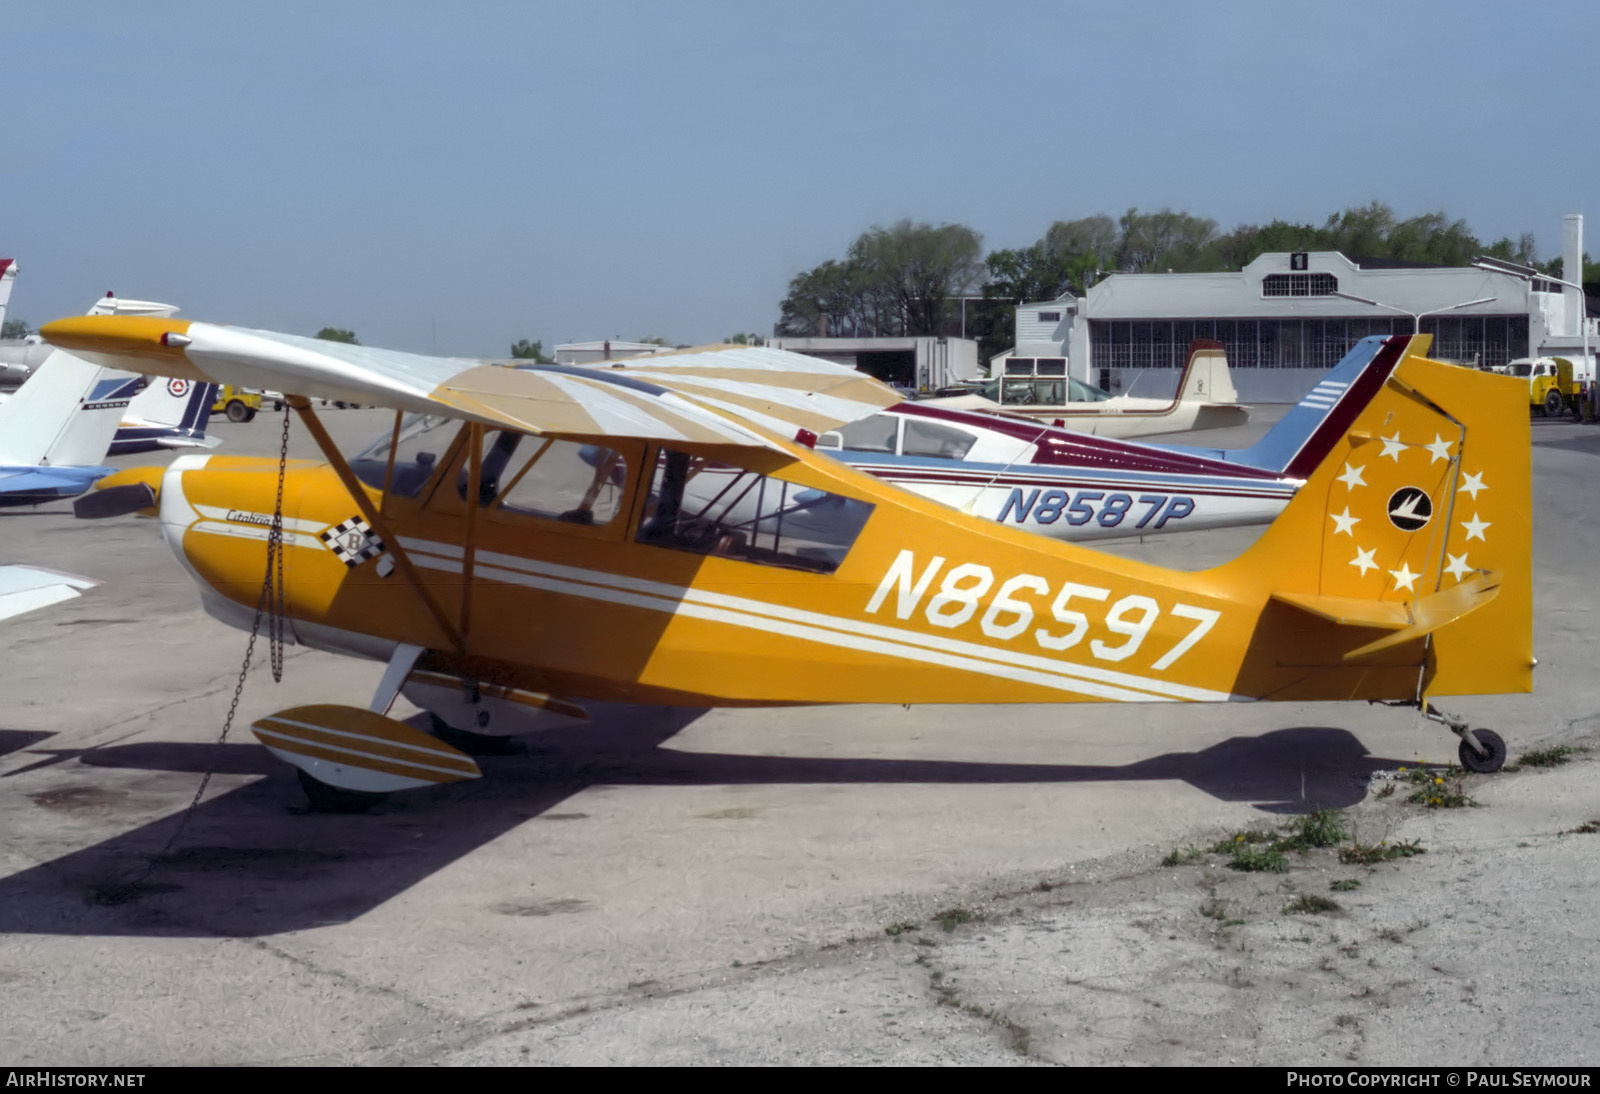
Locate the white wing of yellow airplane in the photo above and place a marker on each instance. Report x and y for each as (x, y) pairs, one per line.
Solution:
(642, 398)
(663, 541)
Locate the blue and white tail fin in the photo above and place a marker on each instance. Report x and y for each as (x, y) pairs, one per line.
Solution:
(1303, 437)
(169, 413)
(67, 412)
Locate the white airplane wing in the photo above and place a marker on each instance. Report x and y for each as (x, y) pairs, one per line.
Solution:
(732, 395)
(24, 588)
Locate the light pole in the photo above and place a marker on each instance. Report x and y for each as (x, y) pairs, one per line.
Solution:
(1416, 316)
(1529, 274)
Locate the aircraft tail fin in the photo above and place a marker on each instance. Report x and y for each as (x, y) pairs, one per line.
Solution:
(169, 413)
(67, 412)
(8, 278)
(1299, 441)
(1206, 378)
(1409, 549)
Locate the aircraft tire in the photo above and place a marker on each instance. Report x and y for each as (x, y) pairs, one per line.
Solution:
(1487, 764)
(336, 799)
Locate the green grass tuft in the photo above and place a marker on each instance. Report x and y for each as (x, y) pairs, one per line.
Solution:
(1368, 854)
(1554, 756)
(1310, 904)
(1254, 859)
(1324, 828)
(1345, 885)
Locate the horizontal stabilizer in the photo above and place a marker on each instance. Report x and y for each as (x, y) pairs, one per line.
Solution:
(1405, 622)
(115, 501)
(25, 588)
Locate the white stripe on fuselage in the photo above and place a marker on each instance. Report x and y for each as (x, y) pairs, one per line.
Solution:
(812, 626)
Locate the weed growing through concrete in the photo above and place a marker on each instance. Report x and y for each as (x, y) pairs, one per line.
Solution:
(894, 929)
(1310, 904)
(1554, 756)
(1369, 854)
(1346, 884)
(1438, 794)
(1258, 859)
(1324, 828)
(1180, 856)
(1228, 844)
(951, 918)
(1587, 828)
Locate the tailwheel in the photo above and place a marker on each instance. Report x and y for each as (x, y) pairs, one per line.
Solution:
(1482, 751)
(325, 798)
(1491, 759)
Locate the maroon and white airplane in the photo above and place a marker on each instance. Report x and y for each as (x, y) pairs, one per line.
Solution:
(1078, 486)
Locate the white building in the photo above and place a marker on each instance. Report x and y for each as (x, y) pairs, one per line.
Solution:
(1286, 318)
(587, 353)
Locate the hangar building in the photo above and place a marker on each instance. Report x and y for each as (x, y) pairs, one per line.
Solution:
(1286, 318)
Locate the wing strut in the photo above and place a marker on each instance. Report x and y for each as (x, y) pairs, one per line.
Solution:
(302, 407)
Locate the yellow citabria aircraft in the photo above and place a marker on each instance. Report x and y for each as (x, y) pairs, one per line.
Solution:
(648, 531)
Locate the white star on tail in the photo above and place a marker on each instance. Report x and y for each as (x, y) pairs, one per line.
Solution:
(1472, 484)
(1345, 522)
(1458, 566)
(1475, 528)
(1404, 578)
(1392, 447)
(1440, 449)
(1352, 477)
(1363, 560)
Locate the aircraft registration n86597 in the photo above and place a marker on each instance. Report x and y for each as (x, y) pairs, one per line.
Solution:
(646, 531)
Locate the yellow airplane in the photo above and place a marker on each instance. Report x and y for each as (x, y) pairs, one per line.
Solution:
(660, 531)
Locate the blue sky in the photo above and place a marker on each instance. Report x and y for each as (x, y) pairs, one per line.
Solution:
(450, 178)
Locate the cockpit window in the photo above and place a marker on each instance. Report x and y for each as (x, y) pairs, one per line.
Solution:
(1080, 392)
(423, 439)
(560, 480)
(872, 434)
(935, 439)
(716, 509)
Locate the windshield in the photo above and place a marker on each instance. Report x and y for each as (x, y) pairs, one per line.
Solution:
(1081, 392)
(423, 439)
(1030, 391)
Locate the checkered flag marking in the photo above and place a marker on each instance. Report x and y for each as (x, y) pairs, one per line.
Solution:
(353, 541)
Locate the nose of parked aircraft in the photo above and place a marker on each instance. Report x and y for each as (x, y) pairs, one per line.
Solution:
(135, 490)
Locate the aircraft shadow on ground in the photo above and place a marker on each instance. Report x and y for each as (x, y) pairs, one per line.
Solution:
(251, 862)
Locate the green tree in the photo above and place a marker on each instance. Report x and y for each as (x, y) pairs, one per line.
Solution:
(743, 339)
(896, 281)
(338, 334)
(15, 328)
(917, 268)
(525, 350)
(1523, 251)
(1165, 240)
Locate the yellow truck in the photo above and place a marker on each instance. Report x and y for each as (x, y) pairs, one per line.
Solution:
(238, 403)
(1552, 390)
